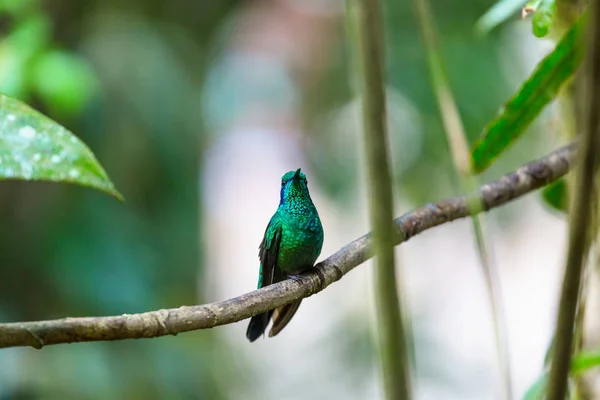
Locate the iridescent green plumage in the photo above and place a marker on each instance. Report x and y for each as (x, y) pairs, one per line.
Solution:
(291, 245)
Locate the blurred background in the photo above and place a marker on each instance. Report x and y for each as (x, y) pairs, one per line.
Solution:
(196, 109)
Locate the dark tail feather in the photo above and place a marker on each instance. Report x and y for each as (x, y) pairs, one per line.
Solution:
(283, 315)
(258, 325)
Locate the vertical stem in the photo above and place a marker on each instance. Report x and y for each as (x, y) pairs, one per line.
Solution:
(457, 140)
(581, 212)
(371, 66)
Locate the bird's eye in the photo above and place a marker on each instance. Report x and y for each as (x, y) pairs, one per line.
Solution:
(282, 183)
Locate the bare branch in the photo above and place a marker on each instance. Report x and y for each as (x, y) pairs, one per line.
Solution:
(188, 318)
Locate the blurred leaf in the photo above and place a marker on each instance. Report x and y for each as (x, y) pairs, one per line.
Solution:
(579, 364)
(556, 196)
(19, 7)
(65, 81)
(30, 35)
(500, 12)
(584, 361)
(538, 389)
(543, 15)
(27, 39)
(531, 98)
(33, 147)
(12, 78)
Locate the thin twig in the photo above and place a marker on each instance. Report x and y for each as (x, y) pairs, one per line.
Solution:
(189, 318)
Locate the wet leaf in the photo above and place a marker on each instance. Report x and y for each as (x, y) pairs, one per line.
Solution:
(33, 147)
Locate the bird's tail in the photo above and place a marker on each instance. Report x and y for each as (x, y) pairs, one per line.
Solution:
(258, 325)
(282, 316)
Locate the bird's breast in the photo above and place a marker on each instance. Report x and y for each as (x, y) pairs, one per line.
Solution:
(301, 242)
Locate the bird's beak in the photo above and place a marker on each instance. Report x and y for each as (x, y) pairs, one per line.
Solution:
(297, 174)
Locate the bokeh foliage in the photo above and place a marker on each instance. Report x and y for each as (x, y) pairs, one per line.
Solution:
(70, 251)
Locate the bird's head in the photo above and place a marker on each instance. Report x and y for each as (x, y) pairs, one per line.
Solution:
(293, 186)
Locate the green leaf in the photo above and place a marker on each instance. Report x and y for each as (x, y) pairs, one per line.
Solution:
(33, 147)
(543, 17)
(530, 100)
(500, 12)
(556, 196)
(584, 361)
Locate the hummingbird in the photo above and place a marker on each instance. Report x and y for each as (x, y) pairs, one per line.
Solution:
(291, 244)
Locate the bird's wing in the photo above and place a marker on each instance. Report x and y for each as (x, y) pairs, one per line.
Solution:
(268, 252)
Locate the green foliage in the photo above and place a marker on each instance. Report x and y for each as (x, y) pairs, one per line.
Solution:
(585, 361)
(33, 147)
(12, 7)
(541, 88)
(31, 64)
(17, 49)
(70, 252)
(556, 195)
(543, 15)
(65, 82)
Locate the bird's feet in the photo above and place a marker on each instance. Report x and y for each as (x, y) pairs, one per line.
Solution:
(297, 278)
(301, 278)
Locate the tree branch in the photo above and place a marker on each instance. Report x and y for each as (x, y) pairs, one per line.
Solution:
(188, 318)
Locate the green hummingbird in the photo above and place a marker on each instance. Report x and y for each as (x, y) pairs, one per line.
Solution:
(291, 245)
